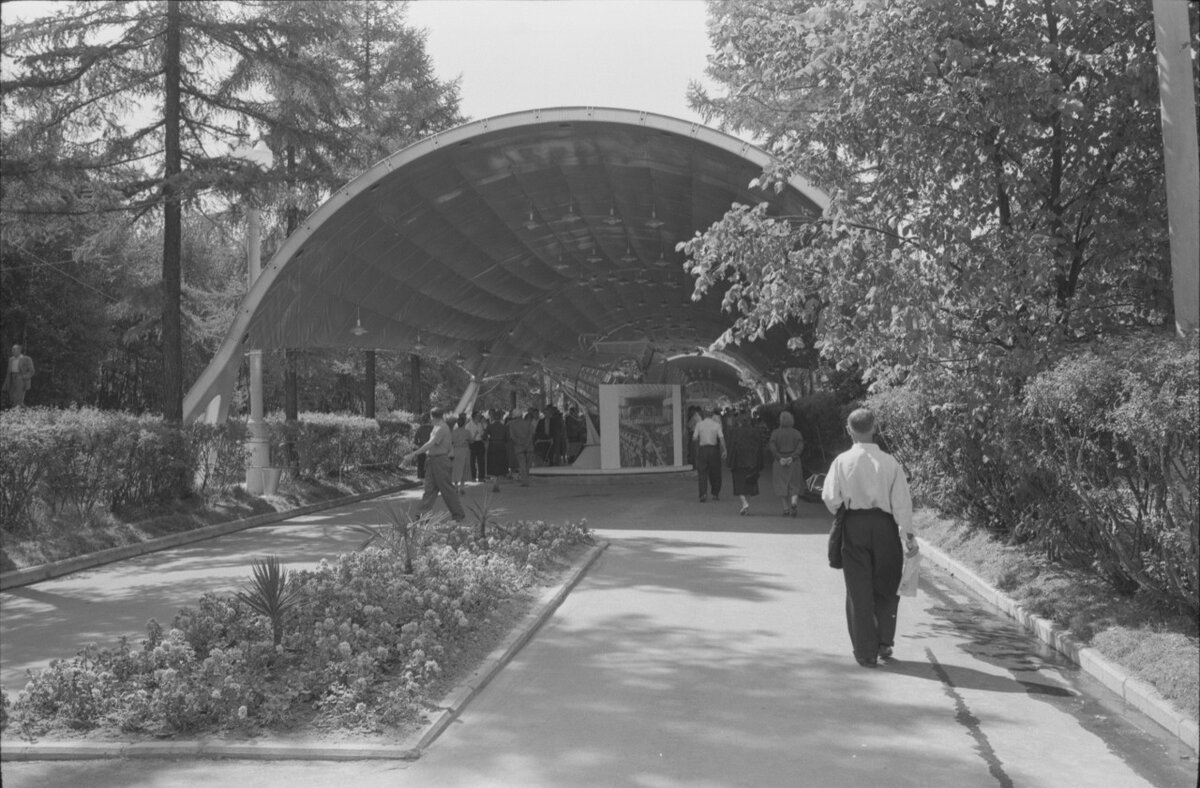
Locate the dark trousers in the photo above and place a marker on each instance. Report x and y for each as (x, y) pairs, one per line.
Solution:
(437, 480)
(708, 469)
(478, 469)
(873, 559)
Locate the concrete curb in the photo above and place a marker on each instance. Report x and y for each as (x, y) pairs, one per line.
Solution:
(449, 708)
(23, 577)
(1133, 691)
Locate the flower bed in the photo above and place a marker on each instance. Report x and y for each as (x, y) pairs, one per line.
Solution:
(359, 641)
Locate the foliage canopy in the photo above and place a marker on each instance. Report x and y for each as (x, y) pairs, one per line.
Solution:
(995, 174)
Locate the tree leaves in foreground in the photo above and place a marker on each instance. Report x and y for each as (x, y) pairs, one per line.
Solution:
(994, 169)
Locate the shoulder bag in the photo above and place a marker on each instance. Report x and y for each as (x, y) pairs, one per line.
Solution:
(835, 538)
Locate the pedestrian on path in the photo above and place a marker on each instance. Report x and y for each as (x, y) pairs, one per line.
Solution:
(460, 441)
(710, 448)
(478, 429)
(520, 433)
(437, 451)
(872, 486)
(496, 453)
(787, 474)
(745, 459)
(424, 430)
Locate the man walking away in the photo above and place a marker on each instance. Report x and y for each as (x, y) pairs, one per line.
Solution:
(710, 447)
(872, 486)
(520, 432)
(438, 452)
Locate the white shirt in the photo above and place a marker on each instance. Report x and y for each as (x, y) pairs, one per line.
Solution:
(867, 477)
(708, 433)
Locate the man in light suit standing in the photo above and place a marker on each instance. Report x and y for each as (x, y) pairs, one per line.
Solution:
(17, 376)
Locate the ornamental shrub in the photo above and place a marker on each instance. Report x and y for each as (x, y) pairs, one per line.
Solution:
(956, 440)
(78, 460)
(1117, 425)
(327, 444)
(360, 648)
(25, 457)
(219, 452)
(1093, 461)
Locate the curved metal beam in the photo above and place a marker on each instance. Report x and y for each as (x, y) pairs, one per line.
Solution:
(209, 396)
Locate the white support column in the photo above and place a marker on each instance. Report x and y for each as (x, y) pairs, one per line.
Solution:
(1177, 94)
(468, 397)
(258, 446)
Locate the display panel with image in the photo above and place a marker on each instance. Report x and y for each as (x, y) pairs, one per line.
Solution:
(647, 428)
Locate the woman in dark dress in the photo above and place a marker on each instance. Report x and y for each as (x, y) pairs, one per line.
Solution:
(496, 451)
(745, 452)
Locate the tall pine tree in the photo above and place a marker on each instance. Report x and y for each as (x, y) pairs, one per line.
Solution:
(143, 101)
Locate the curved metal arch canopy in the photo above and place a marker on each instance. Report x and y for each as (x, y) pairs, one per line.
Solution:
(534, 237)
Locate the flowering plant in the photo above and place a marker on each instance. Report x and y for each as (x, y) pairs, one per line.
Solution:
(357, 644)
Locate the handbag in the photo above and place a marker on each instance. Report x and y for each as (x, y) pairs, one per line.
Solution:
(835, 538)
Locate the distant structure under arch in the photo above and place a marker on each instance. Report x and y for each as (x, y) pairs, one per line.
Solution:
(540, 238)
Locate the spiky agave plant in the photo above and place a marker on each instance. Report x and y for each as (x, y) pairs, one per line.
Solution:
(485, 514)
(400, 533)
(272, 592)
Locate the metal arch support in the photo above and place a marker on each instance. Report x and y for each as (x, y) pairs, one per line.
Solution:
(209, 396)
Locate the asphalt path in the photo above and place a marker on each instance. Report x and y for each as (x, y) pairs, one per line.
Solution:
(701, 649)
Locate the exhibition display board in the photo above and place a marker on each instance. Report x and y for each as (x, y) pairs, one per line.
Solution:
(641, 426)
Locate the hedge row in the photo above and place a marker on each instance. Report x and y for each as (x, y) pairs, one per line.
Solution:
(1095, 460)
(81, 459)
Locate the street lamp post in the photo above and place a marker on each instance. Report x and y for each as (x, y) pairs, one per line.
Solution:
(261, 478)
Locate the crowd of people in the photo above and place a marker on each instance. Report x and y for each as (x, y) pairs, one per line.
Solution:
(489, 445)
(743, 441)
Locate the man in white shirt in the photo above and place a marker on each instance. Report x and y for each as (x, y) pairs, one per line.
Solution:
(438, 451)
(710, 446)
(872, 486)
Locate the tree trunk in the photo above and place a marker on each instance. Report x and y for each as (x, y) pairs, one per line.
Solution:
(172, 324)
(369, 384)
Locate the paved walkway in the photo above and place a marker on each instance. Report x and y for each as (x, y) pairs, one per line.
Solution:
(701, 649)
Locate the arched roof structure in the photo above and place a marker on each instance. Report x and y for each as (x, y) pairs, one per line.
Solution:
(544, 237)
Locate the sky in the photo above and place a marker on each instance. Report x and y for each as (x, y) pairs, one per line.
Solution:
(515, 55)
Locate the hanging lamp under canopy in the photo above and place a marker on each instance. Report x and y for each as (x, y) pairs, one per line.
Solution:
(439, 245)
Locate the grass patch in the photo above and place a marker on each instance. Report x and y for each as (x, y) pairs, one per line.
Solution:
(1156, 645)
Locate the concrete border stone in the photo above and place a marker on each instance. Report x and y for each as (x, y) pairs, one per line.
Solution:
(1137, 693)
